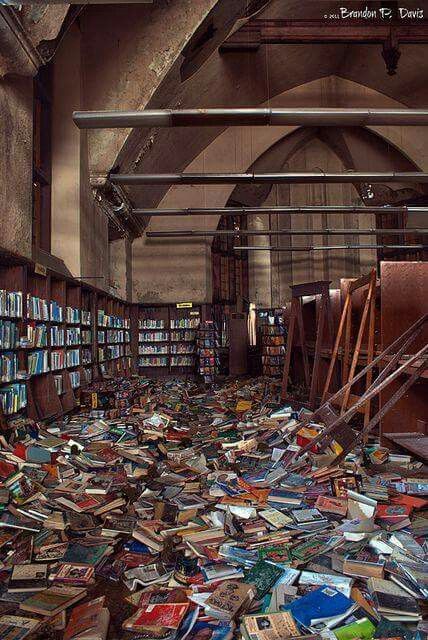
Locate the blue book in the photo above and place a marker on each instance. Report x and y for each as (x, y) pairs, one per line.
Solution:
(322, 603)
(213, 630)
(283, 496)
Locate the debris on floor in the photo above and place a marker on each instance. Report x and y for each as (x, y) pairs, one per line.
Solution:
(168, 511)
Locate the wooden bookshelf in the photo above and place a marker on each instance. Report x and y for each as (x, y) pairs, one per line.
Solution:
(167, 337)
(153, 334)
(56, 390)
(104, 329)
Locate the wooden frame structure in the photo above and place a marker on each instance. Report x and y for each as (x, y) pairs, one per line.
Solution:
(413, 366)
(319, 289)
(367, 321)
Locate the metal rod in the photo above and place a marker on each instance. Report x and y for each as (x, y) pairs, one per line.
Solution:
(245, 117)
(285, 232)
(409, 247)
(239, 211)
(269, 178)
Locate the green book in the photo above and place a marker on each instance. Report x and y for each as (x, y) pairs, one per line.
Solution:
(278, 553)
(263, 575)
(362, 629)
(308, 550)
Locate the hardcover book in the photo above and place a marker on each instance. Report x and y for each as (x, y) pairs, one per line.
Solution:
(53, 600)
(229, 599)
(17, 627)
(28, 578)
(88, 621)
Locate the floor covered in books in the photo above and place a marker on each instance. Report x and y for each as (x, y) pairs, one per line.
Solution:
(173, 512)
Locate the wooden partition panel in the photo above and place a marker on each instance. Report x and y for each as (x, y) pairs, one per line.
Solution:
(404, 299)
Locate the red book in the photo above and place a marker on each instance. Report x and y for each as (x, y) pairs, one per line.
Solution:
(410, 501)
(157, 615)
(393, 511)
(6, 469)
(20, 451)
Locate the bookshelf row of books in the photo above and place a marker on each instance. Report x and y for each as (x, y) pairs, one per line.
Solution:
(63, 359)
(86, 356)
(153, 336)
(158, 361)
(156, 349)
(183, 347)
(38, 362)
(111, 352)
(37, 336)
(86, 336)
(183, 336)
(10, 304)
(8, 366)
(153, 349)
(57, 336)
(115, 336)
(151, 323)
(163, 361)
(72, 315)
(9, 336)
(73, 336)
(13, 398)
(185, 323)
(183, 361)
(112, 321)
(75, 380)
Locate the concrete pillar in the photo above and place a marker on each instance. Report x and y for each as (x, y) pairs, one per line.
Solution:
(65, 241)
(121, 268)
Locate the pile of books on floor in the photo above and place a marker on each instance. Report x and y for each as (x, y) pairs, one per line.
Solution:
(163, 511)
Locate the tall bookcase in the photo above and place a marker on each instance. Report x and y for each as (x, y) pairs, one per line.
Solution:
(167, 339)
(114, 340)
(272, 332)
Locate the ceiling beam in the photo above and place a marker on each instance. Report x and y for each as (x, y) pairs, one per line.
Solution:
(284, 232)
(257, 32)
(243, 211)
(249, 117)
(320, 177)
(408, 247)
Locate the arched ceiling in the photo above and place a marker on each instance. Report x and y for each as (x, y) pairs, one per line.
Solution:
(166, 55)
(356, 148)
(253, 79)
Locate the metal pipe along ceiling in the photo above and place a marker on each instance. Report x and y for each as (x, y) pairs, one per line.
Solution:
(239, 211)
(408, 247)
(272, 178)
(285, 232)
(246, 117)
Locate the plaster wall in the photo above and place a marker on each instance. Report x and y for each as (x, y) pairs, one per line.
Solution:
(16, 143)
